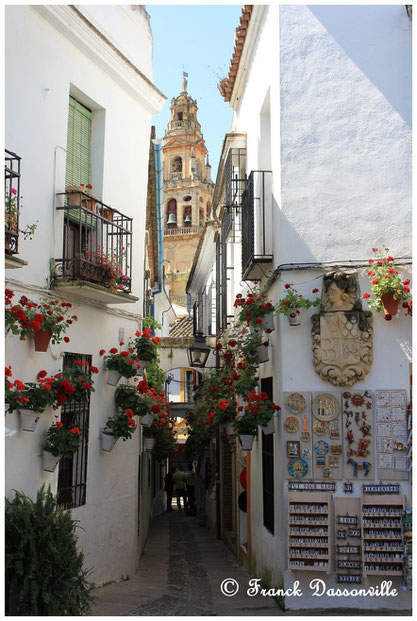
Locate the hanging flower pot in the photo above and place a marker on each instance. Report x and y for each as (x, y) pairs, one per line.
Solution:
(246, 441)
(149, 444)
(142, 367)
(107, 440)
(255, 329)
(390, 305)
(113, 377)
(269, 428)
(6, 407)
(146, 420)
(230, 429)
(268, 323)
(50, 461)
(262, 352)
(41, 340)
(294, 317)
(29, 418)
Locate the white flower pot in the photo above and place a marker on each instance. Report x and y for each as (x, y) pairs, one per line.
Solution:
(230, 429)
(143, 363)
(113, 377)
(147, 420)
(149, 444)
(246, 441)
(29, 418)
(294, 317)
(262, 352)
(269, 428)
(6, 407)
(268, 322)
(107, 440)
(255, 329)
(50, 461)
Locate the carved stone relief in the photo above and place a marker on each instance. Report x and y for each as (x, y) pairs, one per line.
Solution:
(342, 332)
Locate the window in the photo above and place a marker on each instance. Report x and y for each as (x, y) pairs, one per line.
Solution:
(72, 477)
(172, 213)
(78, 163)
(177, 165)
(180, 116)
(268, 465)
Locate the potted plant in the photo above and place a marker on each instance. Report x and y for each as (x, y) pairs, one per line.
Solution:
(258, 410)
(12, 210)
(59, 442)
(119, 364)
(74, 383)
(386, 285)
(30, 399)
(121, 425)
(150, 433)
(146, 346)
(256, 311)
(43, 322)
(104, 267)
(292, 304)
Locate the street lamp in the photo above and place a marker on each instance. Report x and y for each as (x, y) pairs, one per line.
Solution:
(198, 352)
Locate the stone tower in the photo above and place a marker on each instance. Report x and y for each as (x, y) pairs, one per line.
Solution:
(188, 191)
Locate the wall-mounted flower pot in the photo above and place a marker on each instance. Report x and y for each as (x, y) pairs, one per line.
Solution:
(269, 428)
(49, 461)
(149, 444)
(29, 418)
(255, 329)
(113, 377)
(142, 367)
(6, 407)
(389, 304)
(42, 339)
(107, 440)
(294, 317)
(262, 352)
(147, 420)
(246, 441)
(268, 323)
(230, 429)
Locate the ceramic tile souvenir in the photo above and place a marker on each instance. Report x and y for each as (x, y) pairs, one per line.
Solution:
(296, 428)
(358, 435)
(327, 434)
(391, 433)
(297, 468)
(291, 424)
(296, 403)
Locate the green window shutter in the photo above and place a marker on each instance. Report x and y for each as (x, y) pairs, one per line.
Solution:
(78, 164)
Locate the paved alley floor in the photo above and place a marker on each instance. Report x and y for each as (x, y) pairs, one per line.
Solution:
(180, 575)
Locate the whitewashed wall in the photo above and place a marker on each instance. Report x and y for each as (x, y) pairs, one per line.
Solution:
(49, 55)
(339, 88)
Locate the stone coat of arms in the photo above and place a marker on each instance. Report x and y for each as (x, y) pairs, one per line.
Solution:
(342, 332)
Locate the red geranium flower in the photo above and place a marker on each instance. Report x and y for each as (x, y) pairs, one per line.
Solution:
(366, 295)
(406, 282)
(315, 290)
(35, 326)
(102, 352)
(75, 430)
(66, 339)
(113, 350)
(41, 374)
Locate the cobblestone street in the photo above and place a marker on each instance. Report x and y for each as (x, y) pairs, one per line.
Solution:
(180, 575)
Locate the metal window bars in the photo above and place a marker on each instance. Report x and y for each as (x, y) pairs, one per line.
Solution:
(11, 201)
(257, 226)
(97, 243)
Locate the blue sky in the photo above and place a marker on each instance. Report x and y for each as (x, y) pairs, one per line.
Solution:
(197, 39)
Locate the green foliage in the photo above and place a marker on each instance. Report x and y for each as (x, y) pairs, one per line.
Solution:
(294, 300)
(385, 280)
(155, 375)
(62, 441)
(150, 322)
(125, 362)
(44, 568)
(122, 425)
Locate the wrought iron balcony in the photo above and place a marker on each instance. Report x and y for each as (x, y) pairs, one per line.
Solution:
(12, 201)
(257, 233)
(97, 243)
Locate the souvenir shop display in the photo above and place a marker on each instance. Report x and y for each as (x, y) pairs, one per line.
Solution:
(358, 435)
(348, 540)
(406, 578)
(327, 436)
(382, 540)
(310, 531)
(297, 435)
(392, 434)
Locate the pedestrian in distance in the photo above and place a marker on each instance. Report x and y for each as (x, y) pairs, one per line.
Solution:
(169, 487)
(179, 484)
(190, 482)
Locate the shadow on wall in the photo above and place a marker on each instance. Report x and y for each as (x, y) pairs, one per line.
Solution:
(377, 52)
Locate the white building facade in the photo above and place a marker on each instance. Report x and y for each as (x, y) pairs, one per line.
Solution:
(82, 76)
(323, 96)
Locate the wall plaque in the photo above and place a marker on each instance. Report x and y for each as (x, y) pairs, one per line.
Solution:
(381, 489)
(311, 486)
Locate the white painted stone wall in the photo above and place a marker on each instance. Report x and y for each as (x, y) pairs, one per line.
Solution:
(340, 96)
(50, 54)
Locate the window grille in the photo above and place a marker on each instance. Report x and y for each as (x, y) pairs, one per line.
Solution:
(72, 477)
(268, 465)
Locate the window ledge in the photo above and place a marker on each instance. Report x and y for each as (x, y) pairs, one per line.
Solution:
(11, 262)
(85, 290)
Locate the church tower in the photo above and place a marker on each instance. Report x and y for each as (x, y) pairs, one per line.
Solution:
(188, 191)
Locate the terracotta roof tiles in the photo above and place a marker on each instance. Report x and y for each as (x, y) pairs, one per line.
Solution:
(227, 84)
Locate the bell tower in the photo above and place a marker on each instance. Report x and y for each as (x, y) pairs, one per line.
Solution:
(188, 191)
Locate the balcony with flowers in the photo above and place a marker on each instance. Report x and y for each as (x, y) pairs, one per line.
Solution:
(97, 249)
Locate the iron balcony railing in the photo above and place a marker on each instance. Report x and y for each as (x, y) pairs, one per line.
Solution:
(257, 239)
(11, 201)
(97, 244)
(235, 178)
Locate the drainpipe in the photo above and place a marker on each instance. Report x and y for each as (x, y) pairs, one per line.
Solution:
(159, 185)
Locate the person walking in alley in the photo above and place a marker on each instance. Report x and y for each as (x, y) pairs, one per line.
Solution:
(190, 481)
(179, 484)
(169, 487)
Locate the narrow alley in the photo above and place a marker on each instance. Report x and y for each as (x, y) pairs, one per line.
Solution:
(180, 574)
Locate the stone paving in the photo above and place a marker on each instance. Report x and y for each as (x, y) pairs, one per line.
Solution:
(180, 575)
